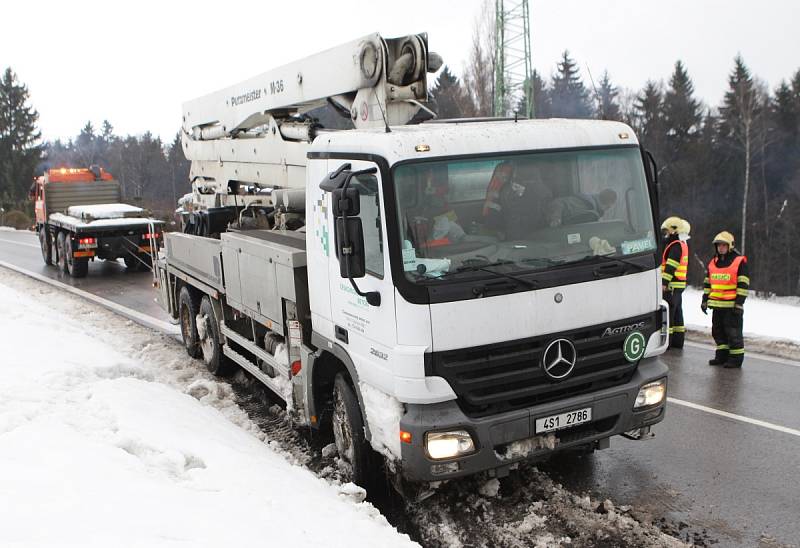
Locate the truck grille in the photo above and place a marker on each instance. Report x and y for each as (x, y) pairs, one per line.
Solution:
(502, 377)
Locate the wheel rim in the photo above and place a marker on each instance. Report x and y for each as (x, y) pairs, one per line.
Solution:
(43, 243)
(342, 432)
(206, 341)
(186, 324)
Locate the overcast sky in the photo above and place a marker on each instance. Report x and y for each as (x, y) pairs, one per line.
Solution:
(134, 63)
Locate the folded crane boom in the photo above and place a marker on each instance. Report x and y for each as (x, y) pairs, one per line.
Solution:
(257, 132)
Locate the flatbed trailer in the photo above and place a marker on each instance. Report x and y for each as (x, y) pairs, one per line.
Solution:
(79, 219)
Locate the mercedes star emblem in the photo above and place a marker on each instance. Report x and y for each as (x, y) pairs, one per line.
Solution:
(558, 359)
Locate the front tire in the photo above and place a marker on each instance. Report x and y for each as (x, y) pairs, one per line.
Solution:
(46, 243)
(210, 339)
(350, 438)
(187, 313)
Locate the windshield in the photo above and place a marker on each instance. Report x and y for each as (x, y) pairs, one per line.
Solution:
(522, 211)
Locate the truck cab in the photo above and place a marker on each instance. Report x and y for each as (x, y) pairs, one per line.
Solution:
(519, 293)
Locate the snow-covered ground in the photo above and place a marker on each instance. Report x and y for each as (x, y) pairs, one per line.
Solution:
(111, 436)
(7, 229)
(777, 318)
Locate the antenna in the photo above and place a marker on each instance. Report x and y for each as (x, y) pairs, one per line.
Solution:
(594, 87)
(383, 114)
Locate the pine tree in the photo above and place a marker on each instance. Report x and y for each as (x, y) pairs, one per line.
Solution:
(179, 168)
(568, 95)
(607, 100)
(649, 118)
(541, 97)
(682, 115)
(449, 96)
(20, 150)
(86, 146)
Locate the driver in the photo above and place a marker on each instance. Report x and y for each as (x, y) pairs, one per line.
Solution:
(581, 208)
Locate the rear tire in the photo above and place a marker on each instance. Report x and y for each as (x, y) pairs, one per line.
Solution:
(187, 314)
(46, 243)
(61, 246)
(349, 436)
(76, 267)
(131, 263)
(210, 340)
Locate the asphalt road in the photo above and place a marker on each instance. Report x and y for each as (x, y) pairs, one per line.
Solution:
(729, 478)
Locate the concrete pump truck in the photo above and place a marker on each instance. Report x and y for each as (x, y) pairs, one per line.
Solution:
(445, 297)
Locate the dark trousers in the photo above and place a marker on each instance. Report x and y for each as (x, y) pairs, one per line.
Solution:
(677, 331)
(726, 328)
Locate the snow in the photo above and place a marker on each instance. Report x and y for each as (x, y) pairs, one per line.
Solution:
(383, 418)
(7, 229)
(775, 318)
(100, 223)
(110, 435)
(104, 211)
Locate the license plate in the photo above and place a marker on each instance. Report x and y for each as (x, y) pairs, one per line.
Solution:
(563, 420)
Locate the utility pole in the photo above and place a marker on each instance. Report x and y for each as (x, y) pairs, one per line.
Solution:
(513, 72)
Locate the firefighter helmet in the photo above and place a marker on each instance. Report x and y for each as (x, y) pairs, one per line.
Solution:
(724, 237)
(675, 225)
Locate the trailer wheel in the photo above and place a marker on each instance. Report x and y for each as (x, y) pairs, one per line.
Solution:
(210, 339)
(348, 433)
(45, 241)
(77, 268)
(187, 312)
(61, 246)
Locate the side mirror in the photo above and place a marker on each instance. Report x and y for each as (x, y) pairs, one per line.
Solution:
(346, 202)
(350, 247)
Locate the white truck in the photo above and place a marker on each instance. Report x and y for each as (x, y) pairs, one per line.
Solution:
(451, 296)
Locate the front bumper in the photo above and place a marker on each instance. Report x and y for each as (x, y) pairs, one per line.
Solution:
(612, 414)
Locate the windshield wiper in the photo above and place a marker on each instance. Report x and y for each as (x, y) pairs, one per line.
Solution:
(485, 267)
(618, 260)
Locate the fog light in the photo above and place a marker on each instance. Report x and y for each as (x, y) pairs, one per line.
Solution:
(651, 393)
(446, 445)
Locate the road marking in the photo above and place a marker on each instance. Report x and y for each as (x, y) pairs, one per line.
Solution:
(19, 243)
(764, 357)
(741, 418)
(131, 314)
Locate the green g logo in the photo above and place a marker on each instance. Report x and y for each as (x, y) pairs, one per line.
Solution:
(634, 346)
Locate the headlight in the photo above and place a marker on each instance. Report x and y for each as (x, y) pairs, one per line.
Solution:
(651, 393)
(446, 445)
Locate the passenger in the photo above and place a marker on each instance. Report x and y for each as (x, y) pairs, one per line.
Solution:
(516, 199)
(581, 208)
(434, 223)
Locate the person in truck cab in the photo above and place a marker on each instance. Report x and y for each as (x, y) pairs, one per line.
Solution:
(516, 199)
(725, 289)
(434, 223)
(581, 208)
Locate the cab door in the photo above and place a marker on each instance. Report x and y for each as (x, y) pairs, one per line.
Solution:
(367, 332)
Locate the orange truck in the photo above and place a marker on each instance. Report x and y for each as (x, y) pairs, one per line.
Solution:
(79, 218)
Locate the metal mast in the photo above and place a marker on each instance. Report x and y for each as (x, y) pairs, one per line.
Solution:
(513, 72)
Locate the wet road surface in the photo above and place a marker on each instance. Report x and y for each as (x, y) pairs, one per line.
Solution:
(718, 479)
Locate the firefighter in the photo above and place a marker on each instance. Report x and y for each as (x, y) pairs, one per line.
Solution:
(674, 268)
(724, 291)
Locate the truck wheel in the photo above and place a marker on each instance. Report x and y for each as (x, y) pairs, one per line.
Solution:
(45, 241)
(131, 263)
(146, 263)
(61, 246)
(77, 268)
(187, 312)
(209, 337)
(348, 433)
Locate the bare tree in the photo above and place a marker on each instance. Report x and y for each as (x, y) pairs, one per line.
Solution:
(479, 69)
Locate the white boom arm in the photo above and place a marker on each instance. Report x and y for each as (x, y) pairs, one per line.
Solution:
(254, 133)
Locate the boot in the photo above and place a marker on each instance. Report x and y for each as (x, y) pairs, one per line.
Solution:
(734, 361)
(720, 358)
(676, 340)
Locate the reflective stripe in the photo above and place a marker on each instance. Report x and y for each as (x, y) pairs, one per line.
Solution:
(742, 292)
(677, 285)
(665, 276)
(736, 351)
(682, 267)
(744, 279)
(722, 295)
(720, 304)
(722, 347)
(673, 262)
(706, 290)
(679, 329)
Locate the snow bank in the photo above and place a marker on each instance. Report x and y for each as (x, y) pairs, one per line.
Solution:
(770, 318)
(104, 211)
(110, 435)
(7, 229)
(383, 418)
